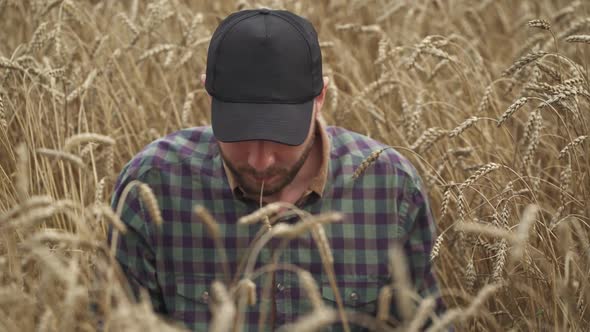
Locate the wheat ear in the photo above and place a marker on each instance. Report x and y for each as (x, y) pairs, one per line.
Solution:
(424, 310)
(222, 308)
(3, 118)
(540, 24)
(62, 155)
(578, 141)
(149, 199)
(311, 288)
(367, 162)
(578, 39)
(522, 233)
(83, 138)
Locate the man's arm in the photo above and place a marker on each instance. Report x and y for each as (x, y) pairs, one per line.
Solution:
(135, 252)
(419, 241)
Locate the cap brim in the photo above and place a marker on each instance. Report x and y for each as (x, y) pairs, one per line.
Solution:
(282, 123)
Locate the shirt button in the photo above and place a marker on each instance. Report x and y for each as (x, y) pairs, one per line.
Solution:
(205, 296)
(354, 296)
(280, 287)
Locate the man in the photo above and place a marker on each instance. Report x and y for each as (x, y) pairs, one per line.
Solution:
(264, 76)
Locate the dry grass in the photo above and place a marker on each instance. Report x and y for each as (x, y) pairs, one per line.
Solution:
(488, 98)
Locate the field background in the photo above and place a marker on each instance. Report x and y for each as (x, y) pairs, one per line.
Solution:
(492, 109)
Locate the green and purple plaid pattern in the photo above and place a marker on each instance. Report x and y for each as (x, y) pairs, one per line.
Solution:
(177, 262)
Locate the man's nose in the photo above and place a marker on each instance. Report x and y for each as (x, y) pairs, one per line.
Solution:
(261, 156)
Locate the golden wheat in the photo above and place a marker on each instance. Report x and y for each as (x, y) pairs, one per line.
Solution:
(404, 73)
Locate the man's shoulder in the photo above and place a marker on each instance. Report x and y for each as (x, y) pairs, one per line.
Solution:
(355, 148)
(194, 144)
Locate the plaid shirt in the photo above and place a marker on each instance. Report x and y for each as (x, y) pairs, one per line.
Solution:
(177, 263)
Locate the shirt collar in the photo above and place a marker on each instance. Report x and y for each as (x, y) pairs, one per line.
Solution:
(318, 183)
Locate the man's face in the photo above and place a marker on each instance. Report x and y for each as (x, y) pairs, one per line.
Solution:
(254, 162)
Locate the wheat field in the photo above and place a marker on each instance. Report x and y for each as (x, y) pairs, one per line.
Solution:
(488, 98)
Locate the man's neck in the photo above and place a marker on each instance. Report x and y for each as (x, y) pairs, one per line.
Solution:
(293, 191)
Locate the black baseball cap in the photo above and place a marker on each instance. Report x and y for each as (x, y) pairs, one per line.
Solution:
(264, 69)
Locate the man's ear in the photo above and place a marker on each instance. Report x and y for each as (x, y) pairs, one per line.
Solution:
(203, 78)
(319, 100)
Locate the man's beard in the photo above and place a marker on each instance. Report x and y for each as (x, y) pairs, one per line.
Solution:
(285, 175)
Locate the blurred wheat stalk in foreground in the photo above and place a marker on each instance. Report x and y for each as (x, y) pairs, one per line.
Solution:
(488, 98)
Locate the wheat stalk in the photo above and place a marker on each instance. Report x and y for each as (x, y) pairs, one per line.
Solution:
(425, 308)
(222, 308)
(22, 174)
(439, 66)
(311, 289)
(246, 293)
(319, 236)
(462, 314)
(186, 108)
(384, 302)
(248, 290)
(112, 217)
(313, 321)
(214, 231)
(398, 268)
(47, 257)
(47, 323)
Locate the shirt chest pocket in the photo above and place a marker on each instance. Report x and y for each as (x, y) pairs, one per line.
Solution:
(187, 300)
(358, 293)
